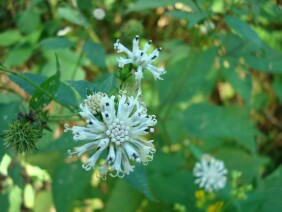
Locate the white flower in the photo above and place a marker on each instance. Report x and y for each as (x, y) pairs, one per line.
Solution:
(93, 102)
(210, 174)
(119, 131)
(99, 13)
(140, 58)
(64, 31)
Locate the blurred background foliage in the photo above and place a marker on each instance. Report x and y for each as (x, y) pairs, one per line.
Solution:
(222, 95)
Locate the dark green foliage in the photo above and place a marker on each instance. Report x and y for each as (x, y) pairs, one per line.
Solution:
(221, 95)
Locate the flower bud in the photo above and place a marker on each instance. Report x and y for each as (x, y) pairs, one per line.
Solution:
(21, 137)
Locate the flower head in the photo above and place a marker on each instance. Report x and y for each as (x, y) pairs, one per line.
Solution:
(140, 58)
(119, 131)
(210, 174)
(93, 102)
(99, 13)
(21, 137)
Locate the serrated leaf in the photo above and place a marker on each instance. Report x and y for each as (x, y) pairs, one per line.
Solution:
(138, 180)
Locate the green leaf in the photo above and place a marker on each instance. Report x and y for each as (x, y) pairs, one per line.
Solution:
(188, 75)
(4, 199)
(18, 55)
(265, 64)
(242, 85)
(249, 165)
(207, 121)
(68, 183)
(124, 198)
(56, 43)
(271, 190)
(138, 180)
(15, 198)
(95, 53)
(106, 83)
(54, 150)
(51, 85)
(175, 187)
(192, 17)
(243, 29)
(10, 37)
(65, 94)
(73, 16)
(81, 86)
(153, 4)
(277, 86)
(15, 172)
(43, 201)
(71, 64)
(8, 112)
(29, 21)
(29, 196)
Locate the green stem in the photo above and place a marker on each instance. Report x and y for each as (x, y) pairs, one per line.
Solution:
(33, 85)
(63, 116)
(63, 120)
(77, 65)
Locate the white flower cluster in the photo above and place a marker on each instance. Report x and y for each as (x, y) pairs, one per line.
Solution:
(210, 173)
(140, 59)
(119, 131)
(93, 102)
(117, 125)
